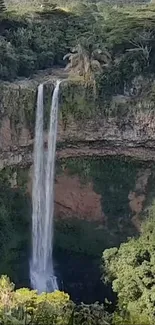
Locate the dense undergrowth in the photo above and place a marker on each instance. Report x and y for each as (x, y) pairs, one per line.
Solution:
(24, 306)
(39, 36)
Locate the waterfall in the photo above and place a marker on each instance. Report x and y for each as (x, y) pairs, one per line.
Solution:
(41, 265)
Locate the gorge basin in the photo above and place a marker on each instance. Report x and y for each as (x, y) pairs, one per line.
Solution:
(79, 240)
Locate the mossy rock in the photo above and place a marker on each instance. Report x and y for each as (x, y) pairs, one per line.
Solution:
(77, 100)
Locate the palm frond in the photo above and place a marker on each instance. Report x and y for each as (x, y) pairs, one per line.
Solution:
(96, 63)
(66, 56)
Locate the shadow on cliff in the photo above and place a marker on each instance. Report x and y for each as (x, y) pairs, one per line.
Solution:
(14, 234)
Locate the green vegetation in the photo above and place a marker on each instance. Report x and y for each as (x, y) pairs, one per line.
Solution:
(131, 269)
(14, 220)
(24, 306)
(77, 101)
(81, 236)
(112, 44)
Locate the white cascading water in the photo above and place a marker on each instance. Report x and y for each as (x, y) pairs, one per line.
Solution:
(41, 266)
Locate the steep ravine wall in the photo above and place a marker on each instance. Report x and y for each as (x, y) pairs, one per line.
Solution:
(88, 126)
(90, 129)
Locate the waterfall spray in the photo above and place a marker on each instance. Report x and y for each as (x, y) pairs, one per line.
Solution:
(41, 266)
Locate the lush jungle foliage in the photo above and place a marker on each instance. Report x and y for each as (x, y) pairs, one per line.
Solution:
(24, 306)
(113, 42)
(131, 269)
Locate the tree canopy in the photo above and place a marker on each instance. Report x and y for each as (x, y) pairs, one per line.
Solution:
(25, 306)
(121, 39)
(131, 269)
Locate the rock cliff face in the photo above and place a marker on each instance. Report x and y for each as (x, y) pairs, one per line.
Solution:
(99, 202)
(123, 125)
(102, 148)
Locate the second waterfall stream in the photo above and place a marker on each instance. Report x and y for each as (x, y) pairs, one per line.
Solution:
(42, 275)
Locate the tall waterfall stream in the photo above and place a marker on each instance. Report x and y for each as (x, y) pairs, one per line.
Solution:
(42, 274)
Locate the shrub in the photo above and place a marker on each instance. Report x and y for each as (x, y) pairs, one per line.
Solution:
(91, 314)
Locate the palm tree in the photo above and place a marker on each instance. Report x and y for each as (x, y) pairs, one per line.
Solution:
(79, 62)
(87, 62)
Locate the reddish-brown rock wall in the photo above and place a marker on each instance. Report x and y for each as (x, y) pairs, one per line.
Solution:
(74, 199)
